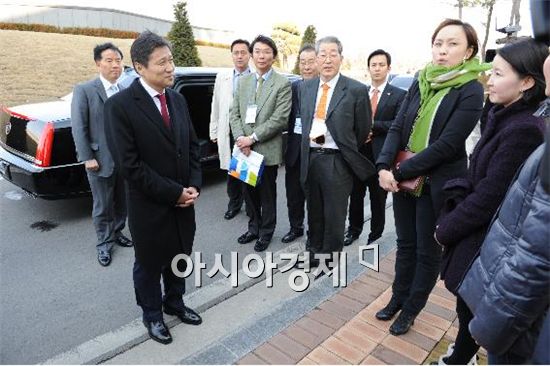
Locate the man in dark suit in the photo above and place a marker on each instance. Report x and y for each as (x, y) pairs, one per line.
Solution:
(295, 198)
(385, 102)
(336, 119)
(149, 130)
(87, 126)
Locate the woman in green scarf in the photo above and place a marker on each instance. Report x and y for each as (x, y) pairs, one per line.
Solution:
(440, 111)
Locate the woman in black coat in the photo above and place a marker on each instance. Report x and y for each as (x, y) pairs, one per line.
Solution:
(440, 111)
(509, 136)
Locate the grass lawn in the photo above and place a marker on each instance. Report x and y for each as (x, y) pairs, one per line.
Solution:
(37, 67)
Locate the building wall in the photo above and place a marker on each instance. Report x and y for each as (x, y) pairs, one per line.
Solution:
(76, 16)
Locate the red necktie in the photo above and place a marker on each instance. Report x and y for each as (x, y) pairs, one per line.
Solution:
(164, 110)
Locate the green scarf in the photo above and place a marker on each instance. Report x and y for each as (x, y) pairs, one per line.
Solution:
(435, 82)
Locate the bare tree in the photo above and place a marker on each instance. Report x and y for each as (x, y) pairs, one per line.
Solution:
(489, 5)
(514, 14)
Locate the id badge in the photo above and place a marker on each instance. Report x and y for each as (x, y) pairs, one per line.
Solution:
(298, 126)
(251, 114)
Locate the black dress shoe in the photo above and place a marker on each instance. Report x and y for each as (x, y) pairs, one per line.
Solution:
(158, 331)
(229, 214)
(187, 315)
(389, 310)
(247, 238)
(402, 324)
(373, 239)
(291, 236)
(123, 241)
(261, 244)
(104, 258)
(350, 238)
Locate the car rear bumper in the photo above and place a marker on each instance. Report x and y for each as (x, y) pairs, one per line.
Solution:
(48, 183)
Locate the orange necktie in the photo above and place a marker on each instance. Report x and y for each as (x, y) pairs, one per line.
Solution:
(374, 101)
(321, 111)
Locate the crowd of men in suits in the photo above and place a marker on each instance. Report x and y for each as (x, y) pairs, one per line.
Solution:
(139, 143)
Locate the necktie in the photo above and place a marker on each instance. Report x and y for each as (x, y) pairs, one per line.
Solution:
(374, 101)
(112, 90)
(164, 109)
(321, 111)
(259, 88)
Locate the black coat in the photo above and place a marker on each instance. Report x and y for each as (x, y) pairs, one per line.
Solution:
(157, 163)
(292, 153)
(509, 136)
(445, 157)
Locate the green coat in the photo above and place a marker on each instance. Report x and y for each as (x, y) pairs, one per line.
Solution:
(274, 104)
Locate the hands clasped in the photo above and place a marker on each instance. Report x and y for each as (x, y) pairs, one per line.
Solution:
(188, 197)
(387, 181)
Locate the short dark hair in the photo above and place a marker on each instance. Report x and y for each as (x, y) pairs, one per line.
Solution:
(144, 45)
(471, 35)
(380, 52)
(265, 40)
(98, 50)
(306, 47)
(526, 56)
(240, 41)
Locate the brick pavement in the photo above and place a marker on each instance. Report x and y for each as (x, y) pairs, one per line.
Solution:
(344, 330)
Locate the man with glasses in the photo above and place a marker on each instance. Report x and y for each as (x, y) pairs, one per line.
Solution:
(220, 133)
(259, 115)
(295, 198)
(336, 119)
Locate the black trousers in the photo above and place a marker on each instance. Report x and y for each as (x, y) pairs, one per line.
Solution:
(148, 291)
(377, 198)
(235, 188)
(328, 187)
(261, 203)
(418, 255)
(465, 345)
(295, 197)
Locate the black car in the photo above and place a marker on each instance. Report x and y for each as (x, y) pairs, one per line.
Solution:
(37, 151)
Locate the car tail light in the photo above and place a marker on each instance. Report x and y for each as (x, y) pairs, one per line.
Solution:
(44, 148)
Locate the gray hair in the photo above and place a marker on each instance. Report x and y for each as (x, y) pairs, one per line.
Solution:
(329, 39)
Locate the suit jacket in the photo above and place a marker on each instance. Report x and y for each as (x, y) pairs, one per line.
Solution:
(219, 116)
(294, 141)
(389, 103)
(445, 156)
(157, 164)
(87, 126)
(271, 116)
(348, 120)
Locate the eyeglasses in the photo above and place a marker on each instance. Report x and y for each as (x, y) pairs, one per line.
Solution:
(239, 53)
(266, 52)
(331, 56)
(307, 63)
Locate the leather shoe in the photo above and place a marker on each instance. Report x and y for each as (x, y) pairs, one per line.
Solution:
(158, 331)
(104, 258)
(123, 241)
(261, 244)
(292, 235)
(350, 238)
(247, 238)
(373, 239)
(229, 214)
(186, 315)
(402, 324)
(389, 310)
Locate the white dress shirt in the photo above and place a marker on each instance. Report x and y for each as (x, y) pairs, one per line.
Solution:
(329, 141)
(110, 89)
(380, 89)
(153, 93)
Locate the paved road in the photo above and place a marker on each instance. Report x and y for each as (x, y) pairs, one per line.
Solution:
(53, 293)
